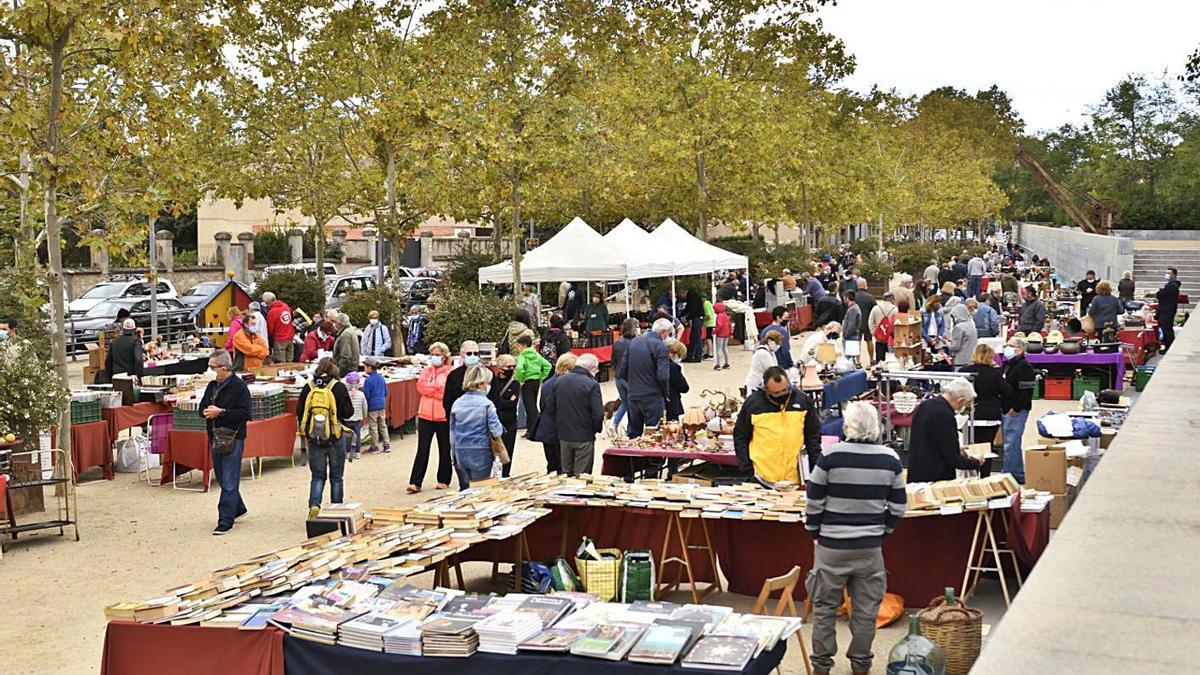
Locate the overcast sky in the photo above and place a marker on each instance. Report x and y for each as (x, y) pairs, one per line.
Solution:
(1053, 57)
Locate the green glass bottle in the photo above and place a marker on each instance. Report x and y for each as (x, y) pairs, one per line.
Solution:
(916, 654)
(948, 596)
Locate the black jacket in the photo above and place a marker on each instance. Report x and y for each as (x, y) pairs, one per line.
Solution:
(618, 352)
(758, 404)
(233, 397)
(828, 308)
(454, 381)
(504, 393)
(679, 386)
(934, 451)
(695, 306)
(124, 356)
(1021, 378)
(946, 274)
(1168, 300)
(866, 303)
(341, 396)
(959, 270)
(991, 392)
(554, 344)
(576, 407)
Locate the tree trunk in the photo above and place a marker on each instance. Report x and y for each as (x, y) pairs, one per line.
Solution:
(319, 247)
(26, 248)
(809, 237)
(393, 233)
(776, 228)
(58, 344)
(153, 219)
(702, 185)
(516, 232)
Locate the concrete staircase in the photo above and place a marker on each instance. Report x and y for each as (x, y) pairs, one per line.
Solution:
(1150, 264)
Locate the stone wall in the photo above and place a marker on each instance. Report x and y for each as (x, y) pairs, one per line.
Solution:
(1159, 235)
(1074, 252)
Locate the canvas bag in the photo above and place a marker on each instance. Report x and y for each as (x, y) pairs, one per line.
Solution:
(637, 576)
(564, 577)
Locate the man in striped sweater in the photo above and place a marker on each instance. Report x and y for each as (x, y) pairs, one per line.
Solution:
(855, 496)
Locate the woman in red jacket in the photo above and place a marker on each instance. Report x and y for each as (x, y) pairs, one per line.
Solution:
(431, 419)
(320, 339)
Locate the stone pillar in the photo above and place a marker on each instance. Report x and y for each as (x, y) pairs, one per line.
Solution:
(296, 244)
(372, 247)
(237, 259)
(223, 240)
(166, 249)
(246, 239)
(100, 252)
(426, 249)
(339, 238)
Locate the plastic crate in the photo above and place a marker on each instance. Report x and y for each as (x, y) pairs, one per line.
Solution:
(188, 420)
(1084, 383)
(83, 412)
(1058, 388)
(1141, 377)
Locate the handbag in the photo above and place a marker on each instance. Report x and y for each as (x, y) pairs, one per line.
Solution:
(223, 439)
(498, 450)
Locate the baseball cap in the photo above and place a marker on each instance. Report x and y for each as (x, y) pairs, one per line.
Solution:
(128, 324)
(372, 361)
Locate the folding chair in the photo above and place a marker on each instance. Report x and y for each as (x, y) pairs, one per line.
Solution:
(786, 585)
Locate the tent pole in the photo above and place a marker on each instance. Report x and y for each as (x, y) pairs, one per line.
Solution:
(749, 300)
(674, 303)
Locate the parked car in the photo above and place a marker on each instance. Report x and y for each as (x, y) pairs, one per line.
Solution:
(200, 292)
(337, 288)
(119, 287)
(373, 270)
(311, 268)
(415, 290)
(173, 321)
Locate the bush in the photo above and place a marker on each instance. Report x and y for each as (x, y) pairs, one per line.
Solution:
(913, 257)
(21, 299)
(462, 272)
(299, 290)
(383, 299)
(271, 248)
(467, 315)
(33, 394)
(875, 269)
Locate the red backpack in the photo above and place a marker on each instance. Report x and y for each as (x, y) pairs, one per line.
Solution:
(883, 331)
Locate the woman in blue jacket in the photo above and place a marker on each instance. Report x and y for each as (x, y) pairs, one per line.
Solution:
(933, 324)
(473, 423)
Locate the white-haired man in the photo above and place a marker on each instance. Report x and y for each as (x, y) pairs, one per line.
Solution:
(904, 291)
(855, 498)
(577, 409)
(647, 375)
(346, 352)
(468, 355)
(934, 451)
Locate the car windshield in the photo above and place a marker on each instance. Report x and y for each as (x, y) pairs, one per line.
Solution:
(103, 291)
(104, 309)
(205, 288)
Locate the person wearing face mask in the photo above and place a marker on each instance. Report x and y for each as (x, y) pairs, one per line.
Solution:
(345, 348)
(468, 355)
(775, 423)
(1168, 305)
(991, 393)
(679, 384)
(8, 328)
(376, 339)
(578, 413)
(1087, 291)
(1021, 380)
(934, 451)
(375, 389)
(319, 340)
(505, 392)
(532, 368)
(595, 315)
(250, 346)
(432, 420)
(829, 333)
(852, 326)
(762, 360)
(547, 431)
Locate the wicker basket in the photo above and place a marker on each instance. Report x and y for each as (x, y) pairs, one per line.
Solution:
(600, 576)
(957, 629)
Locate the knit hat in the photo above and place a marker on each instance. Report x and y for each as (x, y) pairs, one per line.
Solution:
(129, 324)
(353, 378)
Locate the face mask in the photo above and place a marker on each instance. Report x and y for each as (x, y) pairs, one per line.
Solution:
(374, 322)
(1166, 277)
(211, 373)
(471, 360)
(832, 336)
(781, 399)
(3, 335)
(1009, 352)
(320, 335)
(676, 359)
(772, 346)
(436, 361)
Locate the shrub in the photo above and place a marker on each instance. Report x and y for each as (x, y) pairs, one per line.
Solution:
(467, 315)
(875, 269)
(299, 290)
(383, 299)
(271, 248)
(33, 394)
(22, 297)
(913, 257)
(462, 272)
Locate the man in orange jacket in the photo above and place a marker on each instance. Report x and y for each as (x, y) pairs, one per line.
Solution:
(251, 346)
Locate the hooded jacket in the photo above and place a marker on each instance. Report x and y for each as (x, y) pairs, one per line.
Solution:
(963, 336)
(769, 436)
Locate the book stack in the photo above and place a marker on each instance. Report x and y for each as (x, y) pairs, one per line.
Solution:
(404, 639)
(367, 631)
(449, 636)
(350, 517)
(721, 652)
(501, 633)
(662, 643)
(607, 641)
(552, 640)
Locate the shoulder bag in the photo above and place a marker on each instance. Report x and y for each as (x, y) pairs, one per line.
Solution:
(498, 450)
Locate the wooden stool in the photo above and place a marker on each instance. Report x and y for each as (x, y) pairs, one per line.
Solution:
(786, 585)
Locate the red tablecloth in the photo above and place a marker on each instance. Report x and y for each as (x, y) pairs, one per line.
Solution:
(187, 450)
(1138, 342)
(619, 461)
(800, 319)
(140, 649)
(90, 446)
(1030, 534)
(602, 354)
(403, 402)
(126, 416)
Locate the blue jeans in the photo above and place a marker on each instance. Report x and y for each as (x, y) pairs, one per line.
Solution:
(227, 469)
(643, 412)
(327, 461)
(472, 464)
(973, 286)
(1013, 428)
(623, 394)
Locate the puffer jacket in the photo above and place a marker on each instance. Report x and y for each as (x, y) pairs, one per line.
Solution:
(473, 420)
(515, 330)
(431, 385)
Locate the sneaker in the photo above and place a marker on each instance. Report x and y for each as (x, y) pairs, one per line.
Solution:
(313, 511)
(717, 367)
(371, 449)
(387, 448)
(239, 516)
(222, 529)
(725, 367)
(350, 457)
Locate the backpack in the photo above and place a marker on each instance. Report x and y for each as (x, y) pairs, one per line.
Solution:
(321, 402)
(884, 328)
(549, 348)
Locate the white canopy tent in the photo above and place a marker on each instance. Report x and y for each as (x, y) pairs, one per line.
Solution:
(693, 256)
(576, 253)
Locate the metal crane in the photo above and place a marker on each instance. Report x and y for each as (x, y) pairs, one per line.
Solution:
(1094, 216)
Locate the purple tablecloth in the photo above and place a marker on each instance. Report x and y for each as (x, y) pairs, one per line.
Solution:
(1116, 360)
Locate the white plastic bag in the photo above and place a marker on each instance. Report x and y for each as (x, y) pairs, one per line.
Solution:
(132, 455)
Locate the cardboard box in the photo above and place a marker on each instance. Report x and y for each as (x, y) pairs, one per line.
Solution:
(700, 474)
(1058, 510)
(1107, 434)
(1046, 469)
(89, 374)
(95, 355)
